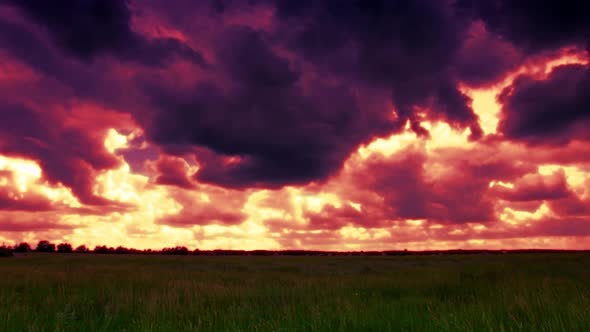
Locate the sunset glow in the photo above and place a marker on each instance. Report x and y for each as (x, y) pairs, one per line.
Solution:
(238, 136)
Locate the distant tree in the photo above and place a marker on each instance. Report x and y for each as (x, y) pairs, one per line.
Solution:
(45, 246)
(81, 249)
(103, 250)
(64, 248)
(5, 251)
(122, 250)
(22, 247)
(178, 250)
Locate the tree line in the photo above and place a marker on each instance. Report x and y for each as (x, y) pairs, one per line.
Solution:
(66, 248)
(45, 246)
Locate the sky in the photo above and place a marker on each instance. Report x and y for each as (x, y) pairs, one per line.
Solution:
(320, 125)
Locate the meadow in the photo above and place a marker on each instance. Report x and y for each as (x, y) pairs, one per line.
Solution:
(92, 292)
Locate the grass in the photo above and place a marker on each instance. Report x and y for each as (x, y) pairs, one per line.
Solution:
(512, 292)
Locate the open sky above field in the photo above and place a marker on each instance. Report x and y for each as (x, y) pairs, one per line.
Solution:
(259, 124)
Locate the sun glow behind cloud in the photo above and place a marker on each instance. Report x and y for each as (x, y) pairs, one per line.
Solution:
(138, 225)
(26, 179)
(485, 103)
(25, 172)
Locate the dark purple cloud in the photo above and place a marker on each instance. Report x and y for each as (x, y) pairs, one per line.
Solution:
(533, 25)
(288, 100)
(290, 103)
(90, 28)
(67, 155)
(485, 57)
(408, 47)
(548, 111)
(283, 132)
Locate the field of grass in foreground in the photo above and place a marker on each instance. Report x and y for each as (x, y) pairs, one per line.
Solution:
(512, 292)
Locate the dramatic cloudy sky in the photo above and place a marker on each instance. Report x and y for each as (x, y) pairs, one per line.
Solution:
(334, 124)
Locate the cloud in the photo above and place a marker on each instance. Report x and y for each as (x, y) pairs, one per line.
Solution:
(89, 29)
(9, 201)
(205, 207)
(534, 26)
(535, 187)
(43, 136)
(571, 206)
(330, 217)
(484, 58)
(305, 124)
(290, 112)
(19, 224)
(372, 44)
(442, 187)
(280, 133)
(173, 171)
(550, 111)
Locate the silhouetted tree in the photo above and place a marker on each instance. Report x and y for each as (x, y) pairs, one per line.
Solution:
(122, 250)
(175, 251)
(82, 249)
(103, 250)
(5, 251)
(64, 248)
(22, 247)
(45, 246)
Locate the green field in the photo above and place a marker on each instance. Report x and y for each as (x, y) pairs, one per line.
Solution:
(511, 292)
